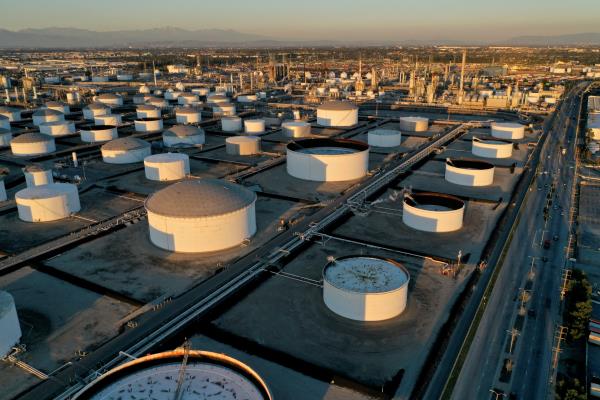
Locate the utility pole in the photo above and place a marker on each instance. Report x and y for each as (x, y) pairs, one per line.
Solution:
(566, 277)
(523, 293)
(560, 336)
(514, 333)
(497, 394)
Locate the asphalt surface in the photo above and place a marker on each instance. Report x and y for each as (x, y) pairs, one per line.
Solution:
(532, 352)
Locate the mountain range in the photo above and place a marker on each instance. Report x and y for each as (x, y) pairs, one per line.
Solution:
(65, 38)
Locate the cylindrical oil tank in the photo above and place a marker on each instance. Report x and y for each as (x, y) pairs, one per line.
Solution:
(171, 94)
(433, 212)
(148, 124)
(157, 102)
(124, 77)
(384, 138)
(188, 115)
(148, 111)
(414, 124)
(98, 133)
(144, 89)
(201, 91)
(46, 115)
(223, 109)
(187, 98)
(10, 330)
(58, 128)
(48, 202)
(4, 123)
(337, 113)
(183, 136)
(327, 160)
(242, 145)
(5, 137)
(95, 109)
(201, 216)
(247, 98)
(32, 144)
(254, 126)
(58, 106)
(296, 129)
(365, 288)
(491, 148)
(110, 119)
(231, 124)
(508, 130)
(167, 166)
(110, 99)
(13, 114)
(73, 97)
(207, 375)
(217, 98)
(125, 151)
(37, 175)
(141, 98)
(468, 172)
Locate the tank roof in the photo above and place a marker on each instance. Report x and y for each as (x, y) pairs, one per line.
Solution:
(183, 131)
(364, 274)
(338, 105)
(469, 163)
(32, 137)
(146, 107)
(313, 145)
(126, 143)
(97, 106)
(188, 110)
(42, 112)
(166, 157)
(200, 198)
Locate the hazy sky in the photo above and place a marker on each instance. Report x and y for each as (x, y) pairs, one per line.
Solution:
(317, 19)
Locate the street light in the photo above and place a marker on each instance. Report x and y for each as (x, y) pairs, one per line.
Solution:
(497, 394)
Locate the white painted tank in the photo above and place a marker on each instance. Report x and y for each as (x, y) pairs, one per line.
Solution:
(468, 172)
(508, 130)
(124, 77)
(201, 91)
(247, 98)
(414, 124)
(46, 115)
(188, 115)
(4, 123)
(296, 129)
(365, 288)
(141, 98)
(32, 144)
(48, 202)
(156, 102)
(73, 97)
(217, 98)
(98, 133)
(433, 212)
(37, 175)
(110, 119)
(206, 375)
(144, 89)
(110, 99)
(327, 160)
(125, 150)
(183, 136)
(13, 114)
(3, 195)
(254, 126)
(171, 94)
(491, 148)
(58, 106)
(242, 145)
(201, 216)
(384, 138)
(223, 109)
(148, 124)
(58, 128)
(148, 111)
(167, 166)
(187, 99)
(10, 329)
(231, 124)
(337, 113)
(95, 109)
(5, 137)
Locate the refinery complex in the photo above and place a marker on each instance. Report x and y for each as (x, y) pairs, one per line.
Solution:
(406, 222)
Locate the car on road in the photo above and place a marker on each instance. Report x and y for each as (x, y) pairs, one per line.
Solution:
(546, 244)
(555, 238)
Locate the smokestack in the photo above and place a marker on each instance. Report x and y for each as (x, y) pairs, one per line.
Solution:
(462, 71)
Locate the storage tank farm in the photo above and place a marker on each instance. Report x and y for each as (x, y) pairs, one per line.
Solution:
(254, 126)
(203, 215)
(125, 150)
(94, 110)
(469, 172)
(296, 129)
(183, 136)
(365, 288)
(327, 160)
(110, 119)
(433, 212)
(98, 133)
(32, 144)
(10, 329)
(48, 202)
(167, 166)
(37, 175)
(4, 123)
(13, 114)
(491, 148)
(414, 124)
(44, 115)
(57, 128)
(147, 111)
(508, 130)
(231, 124)
(207, 375)
(188, 115)
(384, 138)
(242, 145)
(148, 124)
(337, 114)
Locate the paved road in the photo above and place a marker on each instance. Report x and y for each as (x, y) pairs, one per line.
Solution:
(533, 348)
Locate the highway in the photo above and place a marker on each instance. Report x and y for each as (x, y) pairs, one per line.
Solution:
(532, 350)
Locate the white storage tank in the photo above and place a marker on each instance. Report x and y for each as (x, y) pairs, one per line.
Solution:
(216, 98)
(384, 138)
(141, 98)
(148, 111)
(46, 115)
(223, 109)
(337, 114)
(365, 288)
(98, 133)
(167, 166)
(247, 98)
(124, 77)
(13, 114)
(296, 129)
(95, 109)
(508, 130)
(144, 89)
(10, 329)
(187, 98)
(32, 144)
(4, 123)
(47, 202)
(58, 106)
(188, 115)
(207, 375)
(125, 151)
(171, 94)
(327, 160)
(414, 124)
(5, 137)
(37, 175)
(254, 126)
(73, 97)
(148, 124)
(156, 102)
(183, 136)
(3, 196)
(231, 124)
(201, 91)
(242, 145)
(110, 99)
(58, 128)
(468, 172)
(201, 216)
(110, 119)
(433, 212)
(491, 148)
